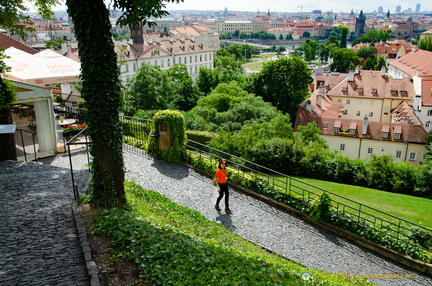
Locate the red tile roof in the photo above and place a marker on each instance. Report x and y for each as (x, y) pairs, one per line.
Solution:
(419, 61)
(7, 42)
(427, 90)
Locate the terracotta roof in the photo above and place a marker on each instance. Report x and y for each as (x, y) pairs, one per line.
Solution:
(7, 42)
(427, 90)
(419, 61)
(369, 83)
(408, 131)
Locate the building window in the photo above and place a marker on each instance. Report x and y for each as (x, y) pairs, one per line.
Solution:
(339, 100)
(370, 150)
(205, 57)
(359, 102)
(386, 110)
(394, 92)
(196, 57)
(342, 147)
(134, 67)
(412, 156)
(384, 135)
(127, 68)
(427, 125)
(190, 59)
(403, 93)
(352, 131)
(336, 130)
(300, 123)
(325, 125)
(398, 154)
(169, 64)
(360, 90)
(429, 113)
(200, 58)
(397, 136)
(358, 113)
(374, 91)
(370, 114)
(162, 63)
(345, 112)
(348, 101)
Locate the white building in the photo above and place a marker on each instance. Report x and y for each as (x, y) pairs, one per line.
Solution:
(163, 52)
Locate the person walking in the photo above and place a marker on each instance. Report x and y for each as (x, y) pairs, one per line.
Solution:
(222, 185)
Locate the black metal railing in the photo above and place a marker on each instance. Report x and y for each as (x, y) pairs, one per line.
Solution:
(74, 142)
(24, 144)
(135, 130)
(387, 224)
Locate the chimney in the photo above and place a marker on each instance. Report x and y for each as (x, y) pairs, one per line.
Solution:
(326, 83)
(351, 76)
(357, 70)
(64, 48)
(319, 98)
(383, 71)
(308, 106)
(365, 125)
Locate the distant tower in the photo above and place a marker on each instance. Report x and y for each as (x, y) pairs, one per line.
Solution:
(380, 10)
(418, 8)
(360, 24)
(398, 9)
(137, 34)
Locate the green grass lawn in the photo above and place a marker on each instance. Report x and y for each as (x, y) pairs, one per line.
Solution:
(414, 209)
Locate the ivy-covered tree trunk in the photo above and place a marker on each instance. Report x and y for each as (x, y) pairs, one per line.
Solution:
(101, 92)
(7, 141)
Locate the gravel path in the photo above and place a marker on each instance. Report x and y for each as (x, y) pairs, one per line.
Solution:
(258, 222)
(265, 225)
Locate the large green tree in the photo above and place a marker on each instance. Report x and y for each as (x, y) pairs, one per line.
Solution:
(284, 83)
(101, 86)
(343, 60)
(149, 88)
(426, 44)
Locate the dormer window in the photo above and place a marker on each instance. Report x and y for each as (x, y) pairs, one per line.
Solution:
(336, 130)
(374, 91)
(352, 131)
(404, 93)
(360, 90)
(397, 136)
(384, 135)
(394, 92)
(344, 89)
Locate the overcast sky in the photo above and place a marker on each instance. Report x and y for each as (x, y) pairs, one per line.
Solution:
(293, 6)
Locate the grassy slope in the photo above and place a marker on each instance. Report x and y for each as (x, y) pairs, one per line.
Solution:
(413, 209)
(182, 247)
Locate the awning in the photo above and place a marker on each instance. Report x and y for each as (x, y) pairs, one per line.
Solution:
(45, 67)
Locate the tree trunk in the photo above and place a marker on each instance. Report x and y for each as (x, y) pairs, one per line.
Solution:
(101, 92)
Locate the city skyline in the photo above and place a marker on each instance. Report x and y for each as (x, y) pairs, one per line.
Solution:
(335, 6)
(290, 6)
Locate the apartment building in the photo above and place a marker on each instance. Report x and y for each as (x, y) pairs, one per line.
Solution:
(164, 53)
(365, 113)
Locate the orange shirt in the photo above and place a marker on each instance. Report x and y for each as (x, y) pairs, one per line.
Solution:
(221, 176)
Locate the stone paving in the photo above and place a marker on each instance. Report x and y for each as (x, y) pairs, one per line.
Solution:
(39, 244)
(38, 239)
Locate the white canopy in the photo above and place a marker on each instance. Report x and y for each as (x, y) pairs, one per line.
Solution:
(45, 67)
